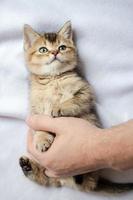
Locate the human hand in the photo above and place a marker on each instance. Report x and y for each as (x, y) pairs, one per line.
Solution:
(76, 148)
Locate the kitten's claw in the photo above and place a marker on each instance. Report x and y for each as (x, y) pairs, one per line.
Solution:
(56, 112)
(43, 144)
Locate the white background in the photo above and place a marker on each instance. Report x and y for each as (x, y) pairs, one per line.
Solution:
(104, 36)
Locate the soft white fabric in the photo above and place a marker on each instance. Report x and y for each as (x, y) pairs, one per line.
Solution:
(104, 33)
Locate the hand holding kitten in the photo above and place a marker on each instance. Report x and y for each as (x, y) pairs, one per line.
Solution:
(76, 148)
(74, 151)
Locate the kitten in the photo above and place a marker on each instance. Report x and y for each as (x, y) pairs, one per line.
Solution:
(56, 90)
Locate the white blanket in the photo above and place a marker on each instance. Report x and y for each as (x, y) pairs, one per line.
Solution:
(104, 36)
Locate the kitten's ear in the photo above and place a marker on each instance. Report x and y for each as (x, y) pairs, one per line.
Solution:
(66, 30)
(30, 36)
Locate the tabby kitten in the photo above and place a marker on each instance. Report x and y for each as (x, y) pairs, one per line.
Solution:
(56, 90)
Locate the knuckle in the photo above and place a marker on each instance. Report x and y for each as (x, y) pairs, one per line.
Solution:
(35, 121)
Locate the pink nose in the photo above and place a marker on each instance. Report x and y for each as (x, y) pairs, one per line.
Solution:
(54, 53)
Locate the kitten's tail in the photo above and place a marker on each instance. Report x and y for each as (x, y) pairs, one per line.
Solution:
(110, 187)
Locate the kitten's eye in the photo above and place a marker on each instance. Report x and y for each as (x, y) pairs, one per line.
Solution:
(62, 48)
(43, 50)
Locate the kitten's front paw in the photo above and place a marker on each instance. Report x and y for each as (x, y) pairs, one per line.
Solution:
(56, 112)
(43, 141)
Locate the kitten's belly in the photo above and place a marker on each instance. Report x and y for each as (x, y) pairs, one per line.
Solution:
(44, 104)
(44, 101)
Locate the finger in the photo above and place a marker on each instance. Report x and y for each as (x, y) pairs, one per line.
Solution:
(51, 174)
(66, 173)
(29, 139)
(46, 123)
(43, 122)
(30, 145)
(41, 158)
(32, 150)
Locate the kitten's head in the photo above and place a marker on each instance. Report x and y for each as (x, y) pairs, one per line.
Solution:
(51, 53)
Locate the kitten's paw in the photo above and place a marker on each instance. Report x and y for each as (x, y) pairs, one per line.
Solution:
(56, 112)
(33, 170)
(42, 146)
(90, 182)
(90, 186)
(25, 165)
(43, 142)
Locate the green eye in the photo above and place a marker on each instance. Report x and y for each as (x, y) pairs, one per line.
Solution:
(43, 50)
(62, 48)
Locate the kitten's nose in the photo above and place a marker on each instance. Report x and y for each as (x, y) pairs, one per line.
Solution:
(54, 52)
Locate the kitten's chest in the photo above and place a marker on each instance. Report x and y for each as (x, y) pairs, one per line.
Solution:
(57, 92)
(45, 97)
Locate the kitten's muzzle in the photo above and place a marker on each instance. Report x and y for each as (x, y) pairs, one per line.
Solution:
(55, 53)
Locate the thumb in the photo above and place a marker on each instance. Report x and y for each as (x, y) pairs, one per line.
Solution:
(50, 174)
(43, 122)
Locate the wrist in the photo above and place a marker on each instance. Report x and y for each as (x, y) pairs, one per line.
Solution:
(97, 155)
(117, 142)
(111, 148)
(106, 148)
(103, 149)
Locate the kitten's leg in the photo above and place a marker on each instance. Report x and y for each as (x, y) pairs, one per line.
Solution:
(85, 182)
(35, 172)
(80, 103)
(90, 182)
(42, 140)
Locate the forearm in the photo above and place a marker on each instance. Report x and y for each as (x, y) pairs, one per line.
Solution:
(117, 146)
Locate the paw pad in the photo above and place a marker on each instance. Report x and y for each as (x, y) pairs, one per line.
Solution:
(25, 165)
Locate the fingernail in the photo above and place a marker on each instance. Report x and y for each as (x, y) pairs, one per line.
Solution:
(48, 173)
